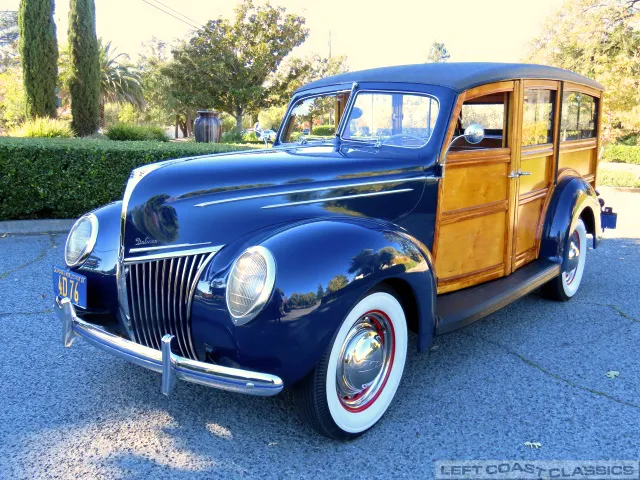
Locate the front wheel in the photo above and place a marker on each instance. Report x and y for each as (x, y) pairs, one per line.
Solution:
(354, 383)
(565, 286)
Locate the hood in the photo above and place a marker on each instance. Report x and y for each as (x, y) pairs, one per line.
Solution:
(209, 201)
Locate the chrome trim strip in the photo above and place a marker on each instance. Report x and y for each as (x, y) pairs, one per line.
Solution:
(204, 262)
(314, 189)
(180, 253)
(164, 361)
(330, 199)
(164, 247)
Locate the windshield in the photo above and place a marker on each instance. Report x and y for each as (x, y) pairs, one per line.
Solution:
(314, 119)
(397, 119)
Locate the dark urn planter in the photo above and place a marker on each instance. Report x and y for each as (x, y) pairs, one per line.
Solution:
(207, 127)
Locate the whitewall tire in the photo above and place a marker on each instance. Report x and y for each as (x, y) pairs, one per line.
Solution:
(354, 383)
(566, 285)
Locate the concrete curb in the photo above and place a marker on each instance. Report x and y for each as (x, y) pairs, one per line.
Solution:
(26, 227)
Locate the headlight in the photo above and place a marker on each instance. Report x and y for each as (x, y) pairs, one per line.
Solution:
(250, 284)
(81, 240)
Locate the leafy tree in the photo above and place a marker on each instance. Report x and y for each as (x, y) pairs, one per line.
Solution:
(296, 72)
(84, 56)
(13, 104)
(320, 292)
(162, 106)
(39, 56)
(438, 53)
(337, 283)
(599, 39)
(8, 40)
(226, 65)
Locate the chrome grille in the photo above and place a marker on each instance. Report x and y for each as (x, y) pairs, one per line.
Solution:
(160, 293)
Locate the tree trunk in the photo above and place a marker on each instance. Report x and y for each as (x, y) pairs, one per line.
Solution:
(239, 119)
(101, 110)
(189, 123)
(176, 133)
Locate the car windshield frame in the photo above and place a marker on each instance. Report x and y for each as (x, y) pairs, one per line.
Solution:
(351, 104)
(305, 140)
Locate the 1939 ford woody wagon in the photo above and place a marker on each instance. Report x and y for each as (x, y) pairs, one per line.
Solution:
(445, 192)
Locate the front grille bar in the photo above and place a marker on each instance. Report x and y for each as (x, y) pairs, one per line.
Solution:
(160, 294)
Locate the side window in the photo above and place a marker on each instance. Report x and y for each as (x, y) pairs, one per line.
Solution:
(397, 119)
(538, 112)
(578, 116)
(490, 111)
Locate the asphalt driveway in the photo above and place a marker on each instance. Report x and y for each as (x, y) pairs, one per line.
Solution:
(533, 372)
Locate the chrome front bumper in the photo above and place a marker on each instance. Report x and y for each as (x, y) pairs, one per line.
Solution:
(170, 365)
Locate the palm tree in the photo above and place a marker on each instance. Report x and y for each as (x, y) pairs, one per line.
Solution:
(119, 81)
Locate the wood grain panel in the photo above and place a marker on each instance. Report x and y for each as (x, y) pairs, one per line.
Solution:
(576, 87)
(578, 160)
(540, 169)
(471, 245)
(470, 279)
(475, 185)
(489, 88)
(539, 83)
(528, 217)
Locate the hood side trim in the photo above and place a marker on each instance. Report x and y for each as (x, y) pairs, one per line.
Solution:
(313, 189)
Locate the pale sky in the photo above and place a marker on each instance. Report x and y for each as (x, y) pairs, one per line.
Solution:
(370, 33)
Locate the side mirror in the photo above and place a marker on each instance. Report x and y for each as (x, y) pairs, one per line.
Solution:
(474, 133)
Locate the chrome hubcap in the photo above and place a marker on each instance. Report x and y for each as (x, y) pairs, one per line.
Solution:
(365, 361)
(573, 258)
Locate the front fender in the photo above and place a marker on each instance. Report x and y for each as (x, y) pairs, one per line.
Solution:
(323, 267)
(100, 267)
(573, 199)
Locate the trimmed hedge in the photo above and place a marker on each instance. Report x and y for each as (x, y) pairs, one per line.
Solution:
(324, 130)
(64, 178)
(621, 154)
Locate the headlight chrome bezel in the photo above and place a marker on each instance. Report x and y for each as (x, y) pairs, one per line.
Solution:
(267, 288)
(90, 243)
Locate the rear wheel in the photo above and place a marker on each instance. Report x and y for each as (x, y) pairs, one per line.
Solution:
(566, 285)
(354, 383)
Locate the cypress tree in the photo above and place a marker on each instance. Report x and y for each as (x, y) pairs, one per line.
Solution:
(85, 67)
(39, 56)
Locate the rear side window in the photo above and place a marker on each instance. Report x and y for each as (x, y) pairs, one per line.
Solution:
(579, 112)
(537, 121)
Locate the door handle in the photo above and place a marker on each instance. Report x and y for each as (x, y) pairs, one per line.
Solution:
(519, 174)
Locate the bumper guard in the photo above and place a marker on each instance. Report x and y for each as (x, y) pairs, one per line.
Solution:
(172, 367)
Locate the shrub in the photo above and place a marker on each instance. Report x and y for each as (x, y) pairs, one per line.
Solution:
(130, 131)
(621, 154)
(64, 178)
(630, 139)
(44, 128)
(614, 178)
(324, 130)
(250, 137)
(232, 136)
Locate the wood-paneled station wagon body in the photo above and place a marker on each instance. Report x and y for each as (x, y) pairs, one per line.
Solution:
(445, 192)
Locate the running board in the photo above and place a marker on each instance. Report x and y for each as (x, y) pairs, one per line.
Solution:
(457, 309)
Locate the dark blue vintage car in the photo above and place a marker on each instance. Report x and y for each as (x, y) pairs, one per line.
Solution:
(419, 197)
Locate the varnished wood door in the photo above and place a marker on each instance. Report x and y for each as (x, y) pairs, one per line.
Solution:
(536, 137)
(473, 240)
